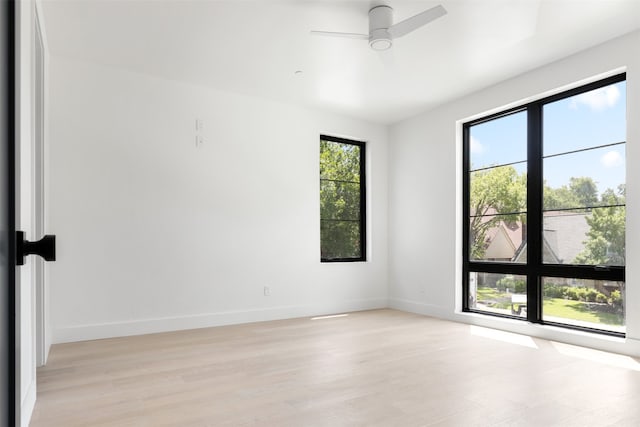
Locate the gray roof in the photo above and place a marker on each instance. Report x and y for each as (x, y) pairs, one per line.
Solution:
(564, 237)
(565, 234)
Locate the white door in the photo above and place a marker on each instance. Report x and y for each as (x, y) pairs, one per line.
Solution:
(28, 129)
(38, 208)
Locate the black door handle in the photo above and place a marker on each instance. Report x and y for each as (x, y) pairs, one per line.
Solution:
(45, 247)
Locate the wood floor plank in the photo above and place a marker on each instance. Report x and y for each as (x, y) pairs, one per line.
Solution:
(372, 368)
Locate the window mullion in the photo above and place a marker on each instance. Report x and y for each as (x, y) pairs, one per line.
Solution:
(363, 203)
(534, 212)
(465, 214)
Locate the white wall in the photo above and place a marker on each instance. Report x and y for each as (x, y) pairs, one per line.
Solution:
(156, 234)
(425, 194)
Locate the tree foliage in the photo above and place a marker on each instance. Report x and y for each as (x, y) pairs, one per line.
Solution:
(585, 190)
(339, 200)
(493, 191)
(502, 190)
(558, 198)
(605, 244)
(581, 192)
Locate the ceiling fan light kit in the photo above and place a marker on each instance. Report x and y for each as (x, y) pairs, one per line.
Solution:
(380, 42)
(382, 30)
(380, 20)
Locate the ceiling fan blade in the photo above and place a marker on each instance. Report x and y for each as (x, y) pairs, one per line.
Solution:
(344, 35)
(416, 21)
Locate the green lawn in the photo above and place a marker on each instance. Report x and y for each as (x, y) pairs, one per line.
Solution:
(491, 294)
(498, 299)
(555, 307)
(577, 310)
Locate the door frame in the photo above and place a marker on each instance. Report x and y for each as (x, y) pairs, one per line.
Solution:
(9, 350)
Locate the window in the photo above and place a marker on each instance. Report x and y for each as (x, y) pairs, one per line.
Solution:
(342, 200)
(544, 208)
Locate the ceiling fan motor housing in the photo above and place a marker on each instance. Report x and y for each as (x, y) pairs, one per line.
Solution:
(380, 19)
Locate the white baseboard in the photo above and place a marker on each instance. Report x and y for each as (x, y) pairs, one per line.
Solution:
(627, 346)
(27, 405)
(420, 308)
(206, 320)
(633, 345)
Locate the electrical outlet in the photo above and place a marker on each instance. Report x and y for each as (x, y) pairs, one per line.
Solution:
(267, 291)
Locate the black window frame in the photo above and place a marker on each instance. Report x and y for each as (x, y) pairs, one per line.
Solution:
(363, 200)
(534, 269)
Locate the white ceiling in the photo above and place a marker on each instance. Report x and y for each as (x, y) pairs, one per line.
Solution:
(254, 47)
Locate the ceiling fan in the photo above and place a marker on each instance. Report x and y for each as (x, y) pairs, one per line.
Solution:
(382, 30)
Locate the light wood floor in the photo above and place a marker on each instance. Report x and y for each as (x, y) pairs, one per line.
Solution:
(374, 368)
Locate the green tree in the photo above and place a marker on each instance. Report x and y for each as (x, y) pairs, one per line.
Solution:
(585, 190)
(339, 200)
(559, 198)
(605, 244)
(581, 192)
(498, 190)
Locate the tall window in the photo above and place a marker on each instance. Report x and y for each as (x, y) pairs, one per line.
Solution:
(544, 209)
(342, 200)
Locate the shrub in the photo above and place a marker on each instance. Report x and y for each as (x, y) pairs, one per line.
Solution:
(572, 293)
(516, 286)
(554, 291)
(580, 293)
(591, 295)
(616, 299)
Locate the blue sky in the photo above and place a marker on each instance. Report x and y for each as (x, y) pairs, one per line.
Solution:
(586, 120)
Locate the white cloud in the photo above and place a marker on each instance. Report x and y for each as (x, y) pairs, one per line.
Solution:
(611, 159)
(598, 99)
(475, 146)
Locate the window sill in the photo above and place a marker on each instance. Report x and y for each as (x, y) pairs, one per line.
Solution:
(628, 346)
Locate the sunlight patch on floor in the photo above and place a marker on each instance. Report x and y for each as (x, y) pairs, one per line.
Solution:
(508, 337)
(331, 316)
(611, 359)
